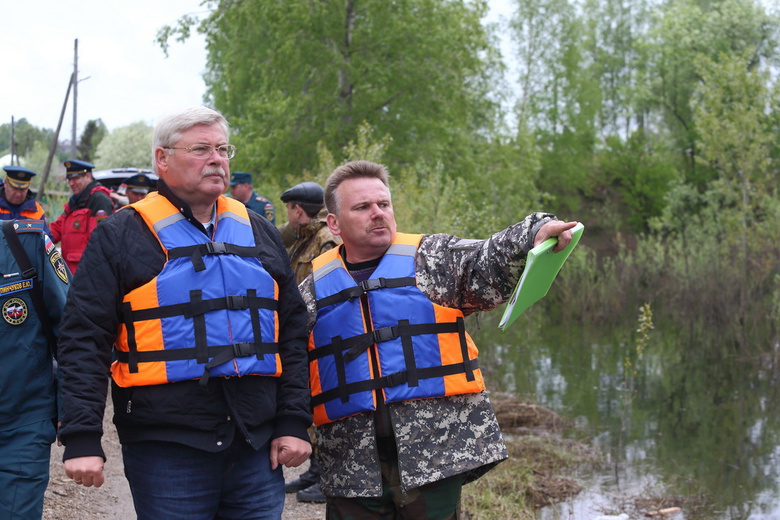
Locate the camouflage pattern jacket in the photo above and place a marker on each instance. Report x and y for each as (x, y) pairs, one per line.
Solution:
(311, 240)
(447, 436)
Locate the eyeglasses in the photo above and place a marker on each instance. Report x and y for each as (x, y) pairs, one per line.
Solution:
(228, 151)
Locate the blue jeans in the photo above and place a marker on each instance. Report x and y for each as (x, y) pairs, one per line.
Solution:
(174, 481)
(24, 469)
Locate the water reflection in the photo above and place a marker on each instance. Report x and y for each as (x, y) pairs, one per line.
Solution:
(691, 418)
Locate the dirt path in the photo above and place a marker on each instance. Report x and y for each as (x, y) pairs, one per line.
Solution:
(64, 500)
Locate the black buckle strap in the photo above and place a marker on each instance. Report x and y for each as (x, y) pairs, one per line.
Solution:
(190, 309)
(394, 379)
(179, 354)
(372, 284)
(357, 344)
(236, 302)
(196, 252)
(216, 248)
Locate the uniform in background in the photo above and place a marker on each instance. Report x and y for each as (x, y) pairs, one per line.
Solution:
(90, 204)
(241, 190)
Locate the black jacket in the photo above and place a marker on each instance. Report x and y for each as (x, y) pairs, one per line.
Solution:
(122, 255)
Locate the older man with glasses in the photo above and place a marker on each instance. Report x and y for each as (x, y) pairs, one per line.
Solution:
(87, 207)
(193, 296)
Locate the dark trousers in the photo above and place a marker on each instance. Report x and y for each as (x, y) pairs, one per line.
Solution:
(174, 481)
(24, 469)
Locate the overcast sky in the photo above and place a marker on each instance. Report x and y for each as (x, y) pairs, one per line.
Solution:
(125, 77)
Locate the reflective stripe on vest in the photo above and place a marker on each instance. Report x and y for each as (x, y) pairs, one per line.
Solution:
(423, 349)
(29, 214)
(211, 311)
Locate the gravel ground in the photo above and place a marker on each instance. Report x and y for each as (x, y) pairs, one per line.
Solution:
(65, 500)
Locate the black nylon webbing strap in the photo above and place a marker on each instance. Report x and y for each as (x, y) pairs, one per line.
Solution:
(409, 361)
(341, 371)
(179, 354)
(251, 295)
(132, 355)
(29, 272)
(199, 324)
(350, 293)
(357, 344)
(198, 251)
(190, 309)
(464, 348)
(395, 379)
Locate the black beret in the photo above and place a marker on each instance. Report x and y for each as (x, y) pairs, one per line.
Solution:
(308, 191)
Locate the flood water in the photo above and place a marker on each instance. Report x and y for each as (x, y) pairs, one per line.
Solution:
(687, 418)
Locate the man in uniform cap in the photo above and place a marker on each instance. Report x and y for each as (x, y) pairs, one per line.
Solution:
(138, 187)
(306, 217)
(90, 204)
(16, 199)
(306, 220)
(241, 190)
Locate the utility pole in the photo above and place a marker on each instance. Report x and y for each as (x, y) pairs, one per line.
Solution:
(13, 143)
(75, 97)
(53, 147)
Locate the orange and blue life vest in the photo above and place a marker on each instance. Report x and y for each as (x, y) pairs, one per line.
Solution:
(406, 347)
(211, 311)
(29, 209)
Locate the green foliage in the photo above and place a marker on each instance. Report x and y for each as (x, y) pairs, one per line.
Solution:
(641, 177)
(682, 33)
(94, 132)
(363, 148)
(291, 74)
(128, 146)
(25, 135)
(730, 113)
(36, 158)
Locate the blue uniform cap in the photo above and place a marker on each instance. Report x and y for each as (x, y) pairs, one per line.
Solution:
(75, 168)
(139, 183)
(18, 177)
(240, 178)
(308, 191)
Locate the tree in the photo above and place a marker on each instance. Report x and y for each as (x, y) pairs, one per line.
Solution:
(25, 135)
(684, 31)
(125, 147)
(736, 136)
(291, 74)
(94, 132)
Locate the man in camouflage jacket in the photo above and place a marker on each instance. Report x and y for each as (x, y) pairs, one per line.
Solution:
(435, 445)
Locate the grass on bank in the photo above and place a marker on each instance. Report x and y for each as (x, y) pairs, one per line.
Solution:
(534, 474)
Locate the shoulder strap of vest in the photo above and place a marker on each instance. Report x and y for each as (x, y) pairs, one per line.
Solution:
(29, 272)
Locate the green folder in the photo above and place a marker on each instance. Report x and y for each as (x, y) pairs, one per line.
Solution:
(541, 268)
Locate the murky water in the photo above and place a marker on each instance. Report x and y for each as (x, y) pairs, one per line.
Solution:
(687, 417)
